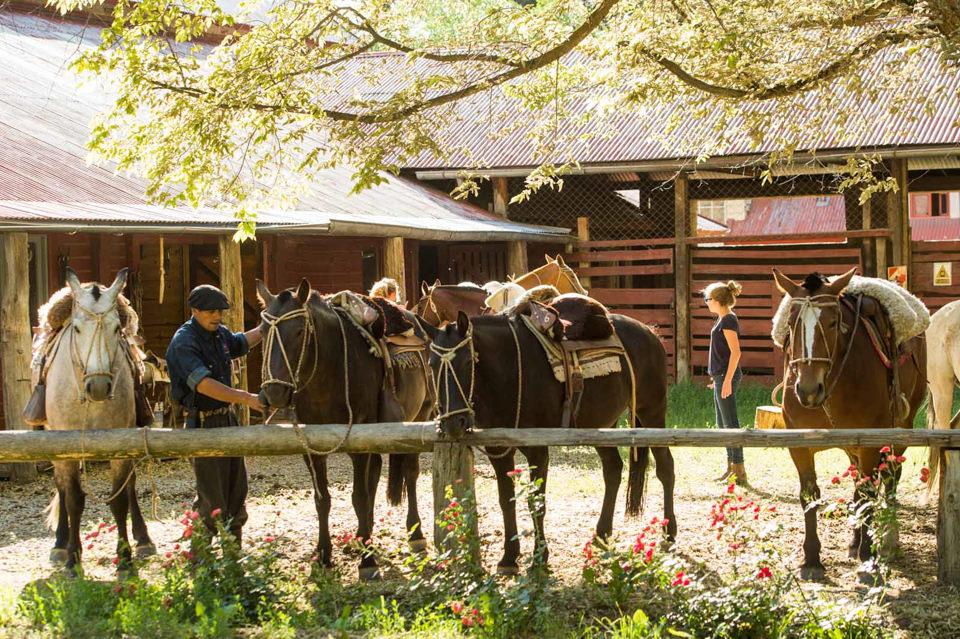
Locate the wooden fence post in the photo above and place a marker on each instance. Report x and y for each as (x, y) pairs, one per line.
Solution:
(681, 288)
(948, 518)
(15, 339)
(231, 283)
(452, 466)
(898, 207)
(583, 234)
(393, 263)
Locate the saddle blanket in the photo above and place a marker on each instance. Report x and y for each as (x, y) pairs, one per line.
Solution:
(602, 360)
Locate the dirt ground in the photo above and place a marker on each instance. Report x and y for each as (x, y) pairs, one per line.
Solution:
(281, 505)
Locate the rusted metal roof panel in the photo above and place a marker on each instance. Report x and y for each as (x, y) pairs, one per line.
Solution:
(788, 216)
(924, 229)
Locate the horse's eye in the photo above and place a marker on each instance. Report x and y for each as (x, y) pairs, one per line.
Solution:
(76, 329)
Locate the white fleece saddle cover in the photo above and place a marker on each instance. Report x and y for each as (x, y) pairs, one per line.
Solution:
(908, 315)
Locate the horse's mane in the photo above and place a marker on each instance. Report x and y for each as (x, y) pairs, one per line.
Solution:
(55, 314)
(814, 282)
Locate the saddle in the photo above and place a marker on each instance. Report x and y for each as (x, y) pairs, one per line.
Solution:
(392, 338)
(577, 336)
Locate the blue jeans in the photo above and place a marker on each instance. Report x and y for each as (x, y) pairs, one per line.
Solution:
(727, 411)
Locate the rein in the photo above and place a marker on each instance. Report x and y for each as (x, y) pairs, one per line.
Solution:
(273, 338)
(446, 356)
(81, 364)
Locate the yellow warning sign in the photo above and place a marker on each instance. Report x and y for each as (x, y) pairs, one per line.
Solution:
(942, 273)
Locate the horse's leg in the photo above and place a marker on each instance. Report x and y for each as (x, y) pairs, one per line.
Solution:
(667, 477)
(811, 568)
(539, 460)
(61, 473)
(511, 543)
(612, 471)
(317, 466)
(366, 475)
(120, 469)
(145, 547)
(411, 472)
(76, 500)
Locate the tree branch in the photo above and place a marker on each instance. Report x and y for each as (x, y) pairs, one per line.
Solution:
(857, 53)
(522, 68)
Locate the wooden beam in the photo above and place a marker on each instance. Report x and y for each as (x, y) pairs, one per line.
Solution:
(898, 211)
(413, 437)
(453, 469)
(231, 283)
(870, 265)
(948, 519)
(789, 238)
(15, 340)
(517, 258)
(583, 234)
(500, 196)
(394, 263)
(684, 227)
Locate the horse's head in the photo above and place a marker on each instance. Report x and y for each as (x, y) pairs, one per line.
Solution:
(426, 307)
(289, 343)
(556, 273)
(95, 335)
(452, 360)
(815, 344)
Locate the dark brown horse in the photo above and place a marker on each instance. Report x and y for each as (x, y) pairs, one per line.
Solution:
(440, 303)
(317, 362)
(835, 379)
(501, 392)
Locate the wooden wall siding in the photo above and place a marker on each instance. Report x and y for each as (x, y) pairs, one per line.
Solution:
(632, 280)
(474, 262)
(330, 263)
(160, 321)
(760, 298)
(920, 274)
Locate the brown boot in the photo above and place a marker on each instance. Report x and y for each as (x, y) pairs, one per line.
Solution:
(726, 474)
(740, 473)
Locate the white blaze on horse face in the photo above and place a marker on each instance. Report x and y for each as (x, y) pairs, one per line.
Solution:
(95, 347)
(810, 318)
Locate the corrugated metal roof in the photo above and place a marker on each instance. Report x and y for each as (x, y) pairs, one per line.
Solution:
(787, 216)
(497, 133)
(924, 229)
(44, 176)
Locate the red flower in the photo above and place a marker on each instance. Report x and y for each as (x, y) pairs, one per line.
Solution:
(514, 472)
(450, 527)
(885, 449)
(835, 480)
(117, 590)
(764, 573)
(680, 580)
(731, 487)
(112, 528)
(216, 511)
(116, 560)
(649, 556)
(882, 466)
(268, 539)
(900, 459)
(456, 606)
(924, 478)
(924, 471)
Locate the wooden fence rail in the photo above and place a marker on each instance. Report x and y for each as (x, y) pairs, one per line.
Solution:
(453, 460)
(414, 437)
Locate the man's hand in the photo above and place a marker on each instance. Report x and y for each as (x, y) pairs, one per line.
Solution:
(253, 402)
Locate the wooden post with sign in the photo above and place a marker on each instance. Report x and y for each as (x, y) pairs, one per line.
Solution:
(231, 283)
(15, 340)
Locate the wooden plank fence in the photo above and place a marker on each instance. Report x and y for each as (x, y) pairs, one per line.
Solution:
(920, 275)
(453, 460)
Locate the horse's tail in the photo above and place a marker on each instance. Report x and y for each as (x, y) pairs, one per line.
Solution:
(637, 476)
(395, 481)
(52, 511)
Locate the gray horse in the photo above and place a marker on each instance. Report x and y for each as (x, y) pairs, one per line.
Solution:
(90, 384)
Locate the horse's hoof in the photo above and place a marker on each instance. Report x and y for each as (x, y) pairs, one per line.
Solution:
(813, 573)
(370, 573)
(146, 550)
(418, 546)
(508, 571)
(59, 556)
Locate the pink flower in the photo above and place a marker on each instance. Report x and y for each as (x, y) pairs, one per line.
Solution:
(456, 606)
(514, 472)
(882, 466)
(885, 449)
(216, 512)
(268, 539)
(900, 459)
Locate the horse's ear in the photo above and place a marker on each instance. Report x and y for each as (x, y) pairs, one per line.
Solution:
(424, 288)
(436, 282)
(463, 323)
(303, 291)
(785, 284)
(559, 260)
(73, 281)
(836, 286)
(548, 259)
(264, 294)
(427, 327)
(118, 283)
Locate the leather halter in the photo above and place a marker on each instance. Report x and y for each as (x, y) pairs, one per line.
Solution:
(81, 363)
(447, 357)
(831, 301)
(273, 338)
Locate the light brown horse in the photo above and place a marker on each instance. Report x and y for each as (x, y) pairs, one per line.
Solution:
(835, 379)
(440, 304)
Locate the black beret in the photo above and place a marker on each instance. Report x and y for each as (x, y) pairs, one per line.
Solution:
(207, 298)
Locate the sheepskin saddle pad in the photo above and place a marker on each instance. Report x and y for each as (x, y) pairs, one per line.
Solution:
(908, 315)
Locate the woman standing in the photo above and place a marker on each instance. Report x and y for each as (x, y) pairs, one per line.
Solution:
(724, 368)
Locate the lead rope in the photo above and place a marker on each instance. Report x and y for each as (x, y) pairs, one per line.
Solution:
(516, 420)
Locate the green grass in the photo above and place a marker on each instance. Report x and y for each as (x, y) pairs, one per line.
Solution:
(690, 404)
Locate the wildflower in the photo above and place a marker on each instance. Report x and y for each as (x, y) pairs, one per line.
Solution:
(313, 559)
(90, 547)
(268, 539)
(731, 487)
(924, 471)
(835, 480)
(885, 449)
(450, 527)
(194, 514)
(514, 472)
(764, 573)
(102, 525)
(467, 621)
(882, 466)
(900, 459)
(216, 512)
(188, 532)
(456, 606)
(680, 580)
(176, 546)
(117, 590)
(649, 556)
(168, 555)
(116, 560)
(842, 500)
(112, 528)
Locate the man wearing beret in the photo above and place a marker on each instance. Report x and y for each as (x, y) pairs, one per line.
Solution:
(198, 361)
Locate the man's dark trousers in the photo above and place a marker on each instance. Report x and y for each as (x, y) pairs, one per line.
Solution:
(221, 482)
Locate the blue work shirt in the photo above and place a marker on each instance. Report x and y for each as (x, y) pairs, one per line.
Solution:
(195, 353)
